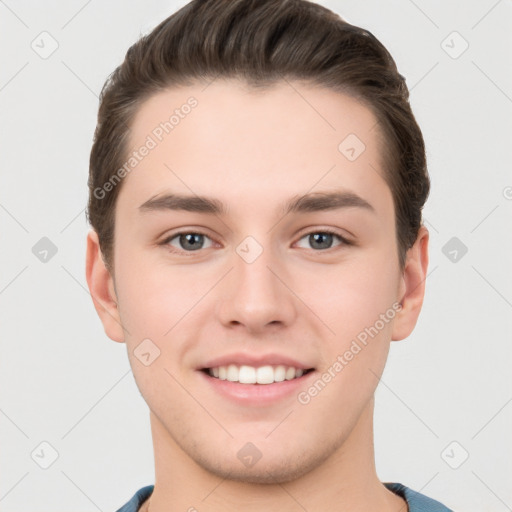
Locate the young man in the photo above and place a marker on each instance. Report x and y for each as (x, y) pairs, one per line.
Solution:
(256, 186)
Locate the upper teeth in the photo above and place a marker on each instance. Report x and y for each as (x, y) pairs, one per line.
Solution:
(250, 375)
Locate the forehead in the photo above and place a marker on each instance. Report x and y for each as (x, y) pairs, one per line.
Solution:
(250, 146)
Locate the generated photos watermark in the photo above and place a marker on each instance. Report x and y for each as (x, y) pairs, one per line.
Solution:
(357, 345)
(156, 136)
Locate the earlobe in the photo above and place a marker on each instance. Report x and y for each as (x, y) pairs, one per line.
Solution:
(101, 287)
(412, 287)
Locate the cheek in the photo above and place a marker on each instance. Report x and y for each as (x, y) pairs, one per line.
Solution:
(153, 297)
(357, 306)
(158, 306)
(353, 297)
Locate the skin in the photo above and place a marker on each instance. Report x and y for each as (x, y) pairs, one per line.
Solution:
(254, 151)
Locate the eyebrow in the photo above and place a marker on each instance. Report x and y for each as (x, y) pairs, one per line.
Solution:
(313, 202)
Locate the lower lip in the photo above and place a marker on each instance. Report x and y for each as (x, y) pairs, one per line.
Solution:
(258, 394)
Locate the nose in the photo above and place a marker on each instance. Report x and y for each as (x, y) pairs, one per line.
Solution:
(257, 294)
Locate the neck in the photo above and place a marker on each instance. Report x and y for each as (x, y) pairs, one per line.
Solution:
(346, 481)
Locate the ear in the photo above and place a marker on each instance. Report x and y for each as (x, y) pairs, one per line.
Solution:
(101, 287)
(412, 287)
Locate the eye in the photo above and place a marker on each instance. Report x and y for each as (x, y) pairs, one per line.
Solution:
(323, 239)
(187, 241)
(191, 241)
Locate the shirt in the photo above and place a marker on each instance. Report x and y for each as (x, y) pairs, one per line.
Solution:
(417, 502)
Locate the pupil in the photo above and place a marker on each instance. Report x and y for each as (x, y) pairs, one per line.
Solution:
(321, 240)
(317, 240)
(187, 241)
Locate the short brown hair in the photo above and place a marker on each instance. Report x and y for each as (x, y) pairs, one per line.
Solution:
(262, 42)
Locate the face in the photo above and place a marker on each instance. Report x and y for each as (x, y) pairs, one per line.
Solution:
(256, 274)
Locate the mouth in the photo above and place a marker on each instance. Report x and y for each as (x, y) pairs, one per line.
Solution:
(251, 375)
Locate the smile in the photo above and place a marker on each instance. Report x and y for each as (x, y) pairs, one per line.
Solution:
(245, 374)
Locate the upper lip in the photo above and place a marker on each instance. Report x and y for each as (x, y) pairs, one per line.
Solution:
(256, 361)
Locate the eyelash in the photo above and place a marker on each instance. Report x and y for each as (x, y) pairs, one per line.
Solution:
(344, 241)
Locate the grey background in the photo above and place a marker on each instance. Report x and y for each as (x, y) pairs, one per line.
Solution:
(65, 383)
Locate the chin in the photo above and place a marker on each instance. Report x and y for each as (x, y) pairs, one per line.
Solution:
(280, 469)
